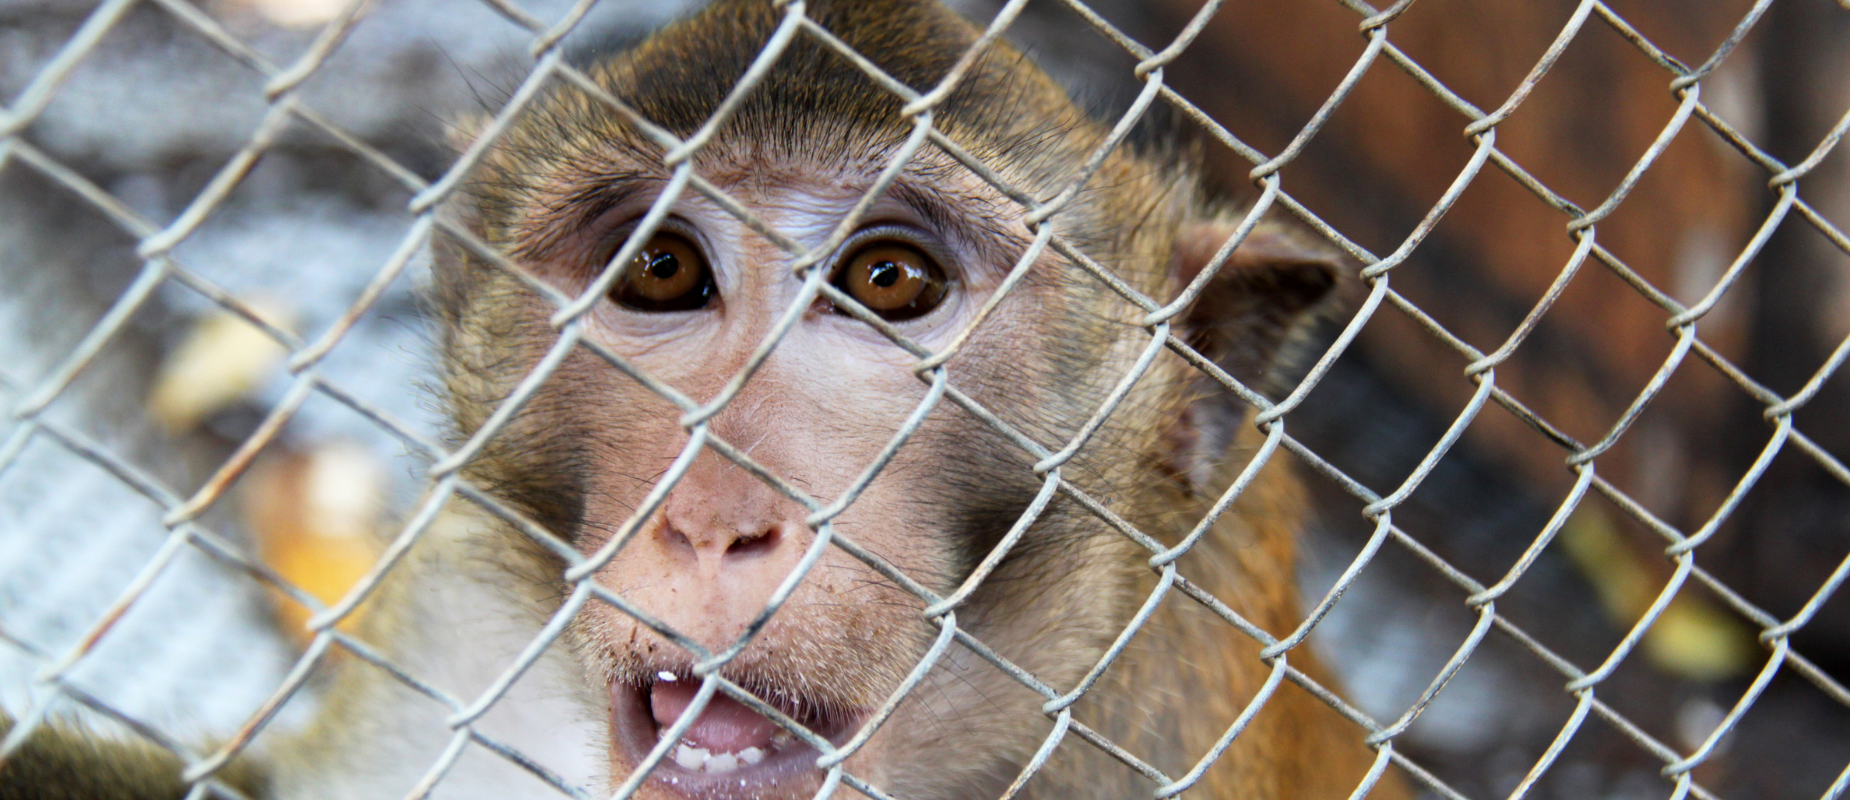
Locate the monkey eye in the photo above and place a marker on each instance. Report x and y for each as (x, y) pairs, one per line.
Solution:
(667, 274)
(893, 279)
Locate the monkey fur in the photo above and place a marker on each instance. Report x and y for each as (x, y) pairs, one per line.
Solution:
(558, 190)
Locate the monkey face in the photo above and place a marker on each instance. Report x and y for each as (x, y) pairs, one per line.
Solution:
(689, 309)
(910, 493)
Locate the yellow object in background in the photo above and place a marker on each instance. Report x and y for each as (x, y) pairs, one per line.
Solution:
(1692, 639)
(300, 13)
(223, 358)
(315, 516)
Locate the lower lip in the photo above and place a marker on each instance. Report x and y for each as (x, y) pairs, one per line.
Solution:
(789, 770)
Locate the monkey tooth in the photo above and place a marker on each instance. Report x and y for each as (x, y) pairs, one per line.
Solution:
(700, 759)
(690, 758)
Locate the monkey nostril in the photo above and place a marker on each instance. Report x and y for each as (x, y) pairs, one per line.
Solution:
(746, 546)
(676, 539)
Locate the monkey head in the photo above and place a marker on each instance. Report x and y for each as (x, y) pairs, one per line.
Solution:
(698, 298)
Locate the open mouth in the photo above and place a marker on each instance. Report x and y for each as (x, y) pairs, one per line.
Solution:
(730, 750)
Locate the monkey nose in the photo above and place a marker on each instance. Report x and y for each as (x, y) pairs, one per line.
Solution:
(723, 545)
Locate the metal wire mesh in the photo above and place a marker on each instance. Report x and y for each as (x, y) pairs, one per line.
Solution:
(185, 512)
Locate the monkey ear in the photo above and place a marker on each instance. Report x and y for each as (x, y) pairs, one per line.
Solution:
(1247, 320)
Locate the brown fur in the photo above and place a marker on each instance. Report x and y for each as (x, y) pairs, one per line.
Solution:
(584, 450)
(59, 763)
(1133, 216)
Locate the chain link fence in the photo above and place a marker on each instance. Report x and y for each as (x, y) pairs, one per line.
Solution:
(77, 438)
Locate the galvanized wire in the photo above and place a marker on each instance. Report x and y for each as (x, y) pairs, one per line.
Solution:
(937, 369)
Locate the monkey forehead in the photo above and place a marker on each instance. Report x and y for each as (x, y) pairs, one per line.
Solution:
(809, 98)
(679, 77)
(802, 199)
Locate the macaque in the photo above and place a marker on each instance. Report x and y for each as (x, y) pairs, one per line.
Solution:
(562, 190)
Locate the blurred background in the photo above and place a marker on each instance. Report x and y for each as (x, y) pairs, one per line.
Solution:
(156, 110)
